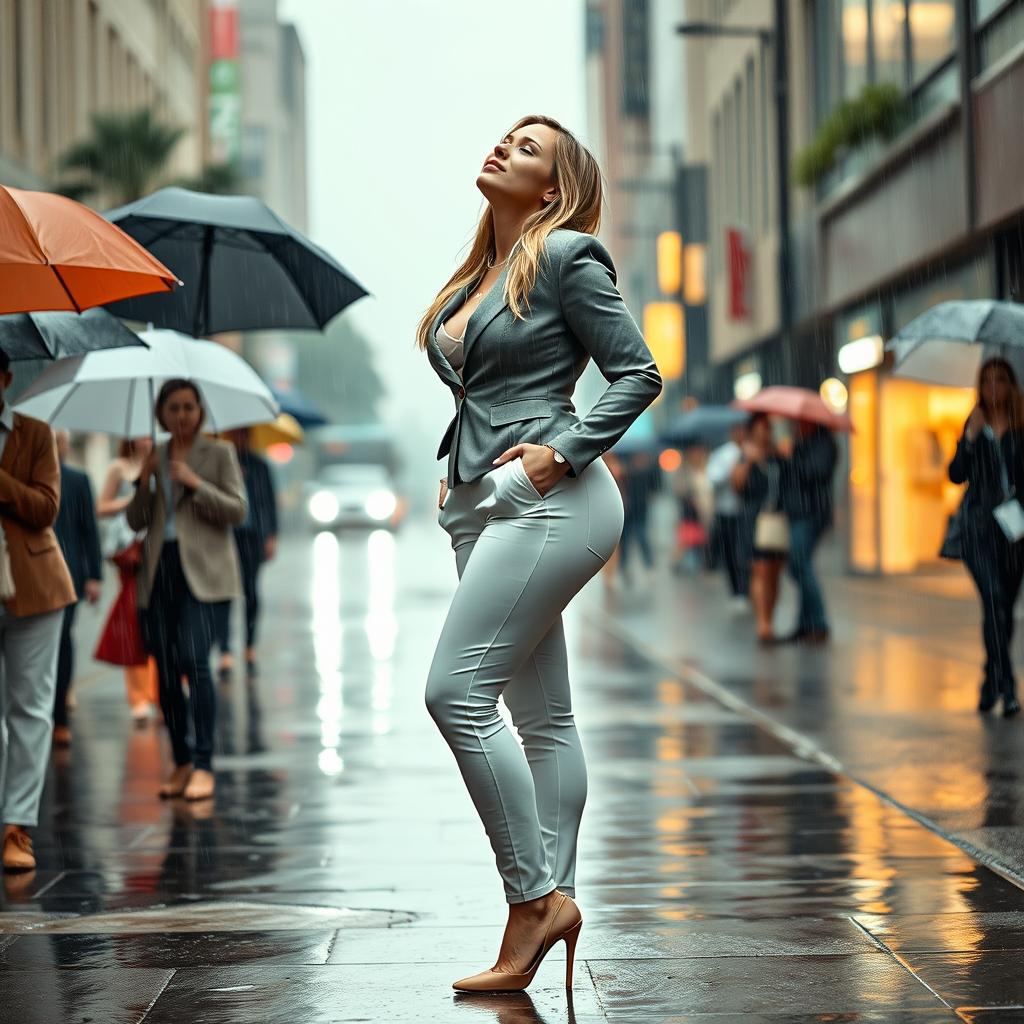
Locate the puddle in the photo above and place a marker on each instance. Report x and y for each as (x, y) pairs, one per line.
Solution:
(208, 916)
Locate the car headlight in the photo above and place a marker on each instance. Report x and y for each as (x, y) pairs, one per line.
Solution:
(380, 505)
(323, 507)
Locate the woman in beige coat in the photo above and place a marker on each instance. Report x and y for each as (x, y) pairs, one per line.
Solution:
(190, 494)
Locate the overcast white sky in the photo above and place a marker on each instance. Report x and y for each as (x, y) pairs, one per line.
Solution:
(405, 97)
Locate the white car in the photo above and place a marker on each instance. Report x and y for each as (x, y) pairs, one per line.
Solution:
(352, 494)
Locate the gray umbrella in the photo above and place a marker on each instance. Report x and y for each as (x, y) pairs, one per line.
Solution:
(948, 343)
(243, 267)
(707, 423)
(56, 335)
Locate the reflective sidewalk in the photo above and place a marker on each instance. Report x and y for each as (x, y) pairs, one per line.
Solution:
(342, 874)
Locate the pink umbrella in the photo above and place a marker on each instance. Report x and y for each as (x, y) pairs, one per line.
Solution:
(795, 404)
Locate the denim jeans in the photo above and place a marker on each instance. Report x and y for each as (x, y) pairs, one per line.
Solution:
(804, 535)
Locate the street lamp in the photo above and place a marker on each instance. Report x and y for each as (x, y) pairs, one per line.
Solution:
(777, 36)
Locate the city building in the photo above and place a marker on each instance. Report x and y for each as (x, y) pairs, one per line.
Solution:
(889, 184)
(64, 60)
(654, 223)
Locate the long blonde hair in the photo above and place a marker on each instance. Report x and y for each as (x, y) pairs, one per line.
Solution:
(577, 206)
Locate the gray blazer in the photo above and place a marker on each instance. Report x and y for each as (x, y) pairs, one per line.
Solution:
(519, 375)
(203, 518)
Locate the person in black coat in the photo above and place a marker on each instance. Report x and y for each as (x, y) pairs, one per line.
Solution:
(256, 538)
(79, 540)
(990, 460)
(807, 501)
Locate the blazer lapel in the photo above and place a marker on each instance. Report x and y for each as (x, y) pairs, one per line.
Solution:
(493, 303)
(437, 359)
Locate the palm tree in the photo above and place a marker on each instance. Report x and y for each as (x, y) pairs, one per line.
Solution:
(122, 157)
(224, 179)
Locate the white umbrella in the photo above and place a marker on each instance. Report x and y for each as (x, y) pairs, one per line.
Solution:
(948, 343)
(113, 391)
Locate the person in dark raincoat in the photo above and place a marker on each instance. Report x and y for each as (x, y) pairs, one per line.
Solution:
(807, 501)
(990, 460)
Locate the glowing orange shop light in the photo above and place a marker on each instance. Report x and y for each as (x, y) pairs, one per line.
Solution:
(665, 335)
(670, 262)
(670, 460)
(280, 452)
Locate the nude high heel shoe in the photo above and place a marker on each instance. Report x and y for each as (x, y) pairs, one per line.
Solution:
(565, 925)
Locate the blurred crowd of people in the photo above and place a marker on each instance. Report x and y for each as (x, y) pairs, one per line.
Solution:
(752, 506)
(186, 524)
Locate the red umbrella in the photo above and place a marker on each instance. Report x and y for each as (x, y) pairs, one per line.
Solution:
(56, 254)
(795, 404)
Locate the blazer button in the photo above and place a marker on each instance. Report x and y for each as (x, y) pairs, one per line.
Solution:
(462, 392)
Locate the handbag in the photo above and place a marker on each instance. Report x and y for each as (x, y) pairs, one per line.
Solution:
(771, 528)
(118, 536)
(1010, 514)
(953, 541)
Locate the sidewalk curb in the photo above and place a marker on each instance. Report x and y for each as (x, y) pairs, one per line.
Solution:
(801, 745)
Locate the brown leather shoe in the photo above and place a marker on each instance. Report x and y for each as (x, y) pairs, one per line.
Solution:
(17, 855)
(61, 736)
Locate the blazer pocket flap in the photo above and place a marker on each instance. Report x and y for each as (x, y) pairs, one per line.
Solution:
(40, 542)
(519, 409)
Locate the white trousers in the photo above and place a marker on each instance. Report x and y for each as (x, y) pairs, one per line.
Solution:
(521, 558)
(28, 678)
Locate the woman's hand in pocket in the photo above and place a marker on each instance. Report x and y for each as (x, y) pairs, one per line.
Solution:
(538, 464)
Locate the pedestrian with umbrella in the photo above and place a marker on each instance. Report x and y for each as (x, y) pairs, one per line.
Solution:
(190, 494)
(35, 588)
(805, 490)
(727, 533)
(950, 344)
(756, 478)
(990, 460)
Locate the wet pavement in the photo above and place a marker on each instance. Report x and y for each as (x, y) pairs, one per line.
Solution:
(891, 701)
(341, 875)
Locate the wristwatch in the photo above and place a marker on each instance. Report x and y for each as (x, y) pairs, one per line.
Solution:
(559, 457)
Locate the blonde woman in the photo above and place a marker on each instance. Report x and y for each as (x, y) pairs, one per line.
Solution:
(532, 511)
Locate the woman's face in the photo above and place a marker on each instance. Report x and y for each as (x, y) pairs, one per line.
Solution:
(181, 413)
(519, 171)
(996, 387)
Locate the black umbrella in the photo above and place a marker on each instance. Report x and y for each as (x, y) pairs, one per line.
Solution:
(243, 267)
(56, 335)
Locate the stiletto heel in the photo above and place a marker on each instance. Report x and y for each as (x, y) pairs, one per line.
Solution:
(565, 923)
(570, 950)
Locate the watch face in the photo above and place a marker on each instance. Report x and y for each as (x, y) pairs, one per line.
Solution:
(559, 457)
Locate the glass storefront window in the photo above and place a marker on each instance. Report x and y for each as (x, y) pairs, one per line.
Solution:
(985, 9)
(855, 46)
(1002, 34)
(889, 29)
(932, 33)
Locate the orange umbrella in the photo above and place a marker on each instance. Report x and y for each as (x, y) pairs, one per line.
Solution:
(58, 254)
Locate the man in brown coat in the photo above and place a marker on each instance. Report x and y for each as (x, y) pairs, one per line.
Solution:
(30, 618)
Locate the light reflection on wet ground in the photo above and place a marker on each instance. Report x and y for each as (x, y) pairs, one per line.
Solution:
(342, 873)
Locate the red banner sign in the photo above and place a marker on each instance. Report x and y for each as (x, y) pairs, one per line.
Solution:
(739, 263)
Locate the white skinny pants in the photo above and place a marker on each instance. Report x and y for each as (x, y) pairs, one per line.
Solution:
(520, 558)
